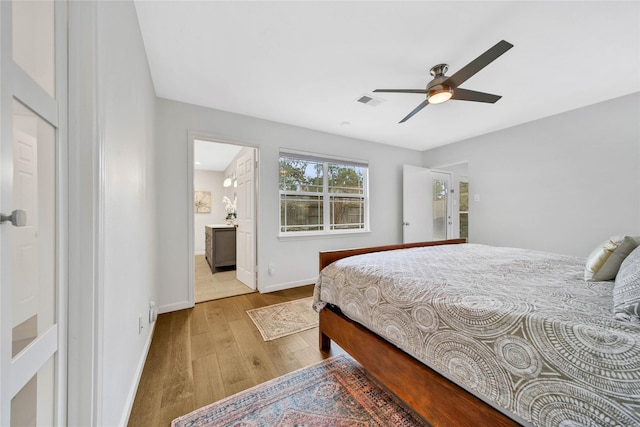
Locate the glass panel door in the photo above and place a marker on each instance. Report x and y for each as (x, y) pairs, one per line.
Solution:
(33, 243)
(33, 405)
(441, 205)
(32, 259)
(33, 41)
(464, 207)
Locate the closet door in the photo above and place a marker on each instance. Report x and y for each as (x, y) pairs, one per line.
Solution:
(32, 200)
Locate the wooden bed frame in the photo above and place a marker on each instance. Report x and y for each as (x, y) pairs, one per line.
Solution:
(436, 399)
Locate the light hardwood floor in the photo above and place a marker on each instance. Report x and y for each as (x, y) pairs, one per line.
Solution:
(201, 355)
(222, 284)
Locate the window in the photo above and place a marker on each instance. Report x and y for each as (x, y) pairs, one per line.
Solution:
(322, 195)
(464, 207)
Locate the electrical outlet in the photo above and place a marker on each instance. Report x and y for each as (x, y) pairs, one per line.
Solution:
(139, 324)
(272, 269)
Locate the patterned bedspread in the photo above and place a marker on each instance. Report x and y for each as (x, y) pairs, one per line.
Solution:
(521, 329)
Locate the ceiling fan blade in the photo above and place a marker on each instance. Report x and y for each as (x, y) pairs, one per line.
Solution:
(402, 90)
(471, 95)
(478, 64)
(415, 110)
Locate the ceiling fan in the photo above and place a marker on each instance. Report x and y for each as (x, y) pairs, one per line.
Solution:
(443, 88)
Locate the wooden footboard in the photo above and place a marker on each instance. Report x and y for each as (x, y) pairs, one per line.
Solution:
(436, 399)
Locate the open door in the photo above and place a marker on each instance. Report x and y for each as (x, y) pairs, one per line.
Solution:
(417, 212)
(245, 232)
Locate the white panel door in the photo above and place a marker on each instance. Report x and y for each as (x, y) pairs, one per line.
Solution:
(417, 212)
(245, 233)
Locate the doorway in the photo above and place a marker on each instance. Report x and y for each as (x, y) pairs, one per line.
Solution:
(223, 219)
(426, 205)
(459, 204)
(441, 205)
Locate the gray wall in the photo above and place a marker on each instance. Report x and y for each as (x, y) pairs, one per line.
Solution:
(561, 184)
(295, 259)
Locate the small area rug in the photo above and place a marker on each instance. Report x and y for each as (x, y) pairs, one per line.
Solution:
(335, 392)
(279, 320)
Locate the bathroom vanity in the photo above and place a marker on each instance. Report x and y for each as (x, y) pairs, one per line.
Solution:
(220, 245)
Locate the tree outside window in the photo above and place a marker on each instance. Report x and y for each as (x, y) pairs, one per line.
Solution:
(321, 195)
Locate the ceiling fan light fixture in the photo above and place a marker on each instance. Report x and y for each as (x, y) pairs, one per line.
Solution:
(439, 95)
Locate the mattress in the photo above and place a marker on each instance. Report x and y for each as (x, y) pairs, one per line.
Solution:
(520, 329)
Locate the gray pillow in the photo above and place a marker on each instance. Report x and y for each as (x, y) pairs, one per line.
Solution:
(626, 291)
(604, 261)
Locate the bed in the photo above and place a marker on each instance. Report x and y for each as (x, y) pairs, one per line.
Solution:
(471, 334)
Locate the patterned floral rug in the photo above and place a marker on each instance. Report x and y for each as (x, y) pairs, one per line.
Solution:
(279, 320)
(336, 392)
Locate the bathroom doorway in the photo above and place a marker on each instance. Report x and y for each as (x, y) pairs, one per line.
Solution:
(223, 211)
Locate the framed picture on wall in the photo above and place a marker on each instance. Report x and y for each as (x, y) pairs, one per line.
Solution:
(202, 201)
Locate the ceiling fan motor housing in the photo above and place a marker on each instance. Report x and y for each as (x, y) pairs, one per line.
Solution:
(436, 85)
(436, 91)
(439, 70)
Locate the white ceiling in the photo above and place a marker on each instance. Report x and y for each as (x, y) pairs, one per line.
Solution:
(213, 156)
(306, 63)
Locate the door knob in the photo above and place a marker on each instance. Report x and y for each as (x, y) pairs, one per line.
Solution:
(18, 218)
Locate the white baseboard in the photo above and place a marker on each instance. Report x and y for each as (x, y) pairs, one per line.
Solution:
(174, 307)
(280, 286)
(124, 420)
(200, 253)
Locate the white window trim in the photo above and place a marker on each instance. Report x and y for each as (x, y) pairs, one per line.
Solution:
(325, 195)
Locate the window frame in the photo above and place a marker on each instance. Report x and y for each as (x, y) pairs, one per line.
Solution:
(327, 228)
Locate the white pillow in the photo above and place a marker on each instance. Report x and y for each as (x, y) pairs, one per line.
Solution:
(626, 291)
(604, 261)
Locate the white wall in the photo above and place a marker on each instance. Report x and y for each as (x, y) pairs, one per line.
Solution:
(210, 181)
(295, 259)
(560, 184)
(126, 120)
